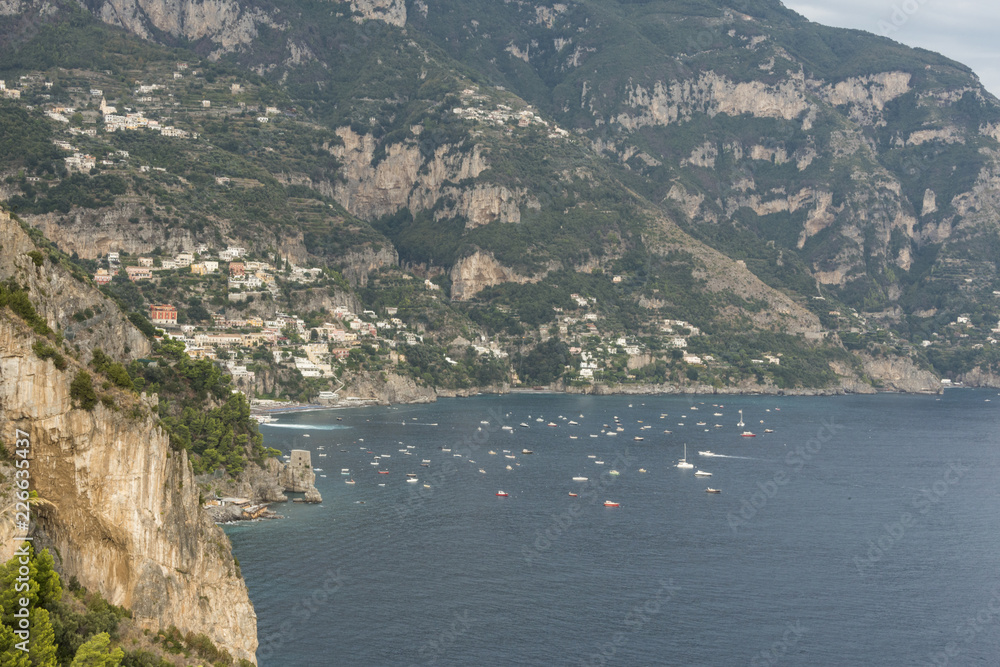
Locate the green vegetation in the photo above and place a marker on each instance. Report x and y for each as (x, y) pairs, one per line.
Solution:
(199, 411)
(82, 391)
(81, 629)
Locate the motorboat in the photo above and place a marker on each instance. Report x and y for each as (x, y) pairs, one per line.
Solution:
(572, 495)
(383, 472)
(527, 451)
(412, 480)
(345, 471)
(579, 479)
(609, 503)
(502, 494)
(711, 490)
(707, 452)
(748, 434)
(702, 473)
(614, 472)
(349, 481)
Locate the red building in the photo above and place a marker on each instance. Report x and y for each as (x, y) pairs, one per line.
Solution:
(236, 269)
(163, 314)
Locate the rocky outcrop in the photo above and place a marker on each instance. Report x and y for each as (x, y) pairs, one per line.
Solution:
(405, 178)
(900, 374)
(225, 22)
(386, 389)
(120, 508)
(392, 12)
(479, 271)
(62, 298)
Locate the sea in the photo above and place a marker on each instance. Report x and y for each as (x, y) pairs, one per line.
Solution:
(850, 530)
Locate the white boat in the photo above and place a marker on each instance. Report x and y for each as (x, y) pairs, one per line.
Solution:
(572, 423)
(740, 422)
(345, 471)
(614, 472)
(305, 435)
(579, 479)
(683, 462)
(412, 480)
(591, 456)
(702, 473)
(524, 425)
(600, 463)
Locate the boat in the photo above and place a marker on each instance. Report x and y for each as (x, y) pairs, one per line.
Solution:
(572, 437)
(637, 438)
(609, 503)
(425, 461)
(527, 451)
(523, 425)
(579, 479)
(707, 452)
(600, 463)
(740, 422)
(345, 471)
(748, 434)
(412, 480)
(492, 453)
(766, 430)
(702, 473)
(322, 454)
(502, 494)
(572, 423)
(683, 463)
(383, 472)
(348, 481)
(572, 495)
(711, 490)
(425, 465)
(642, 470)
(305, 435)
(509, 468)
(552, 424)
(482, 471)
(614, 472)
(411, 474)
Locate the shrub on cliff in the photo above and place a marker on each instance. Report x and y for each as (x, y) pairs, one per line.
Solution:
(45, 351)
(82, 390)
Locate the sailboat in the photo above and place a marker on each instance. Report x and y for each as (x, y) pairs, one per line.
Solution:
(745, 434)
(683, 462)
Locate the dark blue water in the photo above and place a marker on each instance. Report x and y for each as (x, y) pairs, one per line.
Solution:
(863, 530)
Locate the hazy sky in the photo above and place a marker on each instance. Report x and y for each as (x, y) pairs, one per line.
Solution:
(963, 30)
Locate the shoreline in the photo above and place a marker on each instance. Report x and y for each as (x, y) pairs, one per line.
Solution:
(607, 390)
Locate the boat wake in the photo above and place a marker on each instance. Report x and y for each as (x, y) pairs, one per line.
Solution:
(309, 427)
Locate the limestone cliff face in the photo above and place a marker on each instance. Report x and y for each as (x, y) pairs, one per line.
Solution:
(392, 12)
(225, 22)
(478, 271)
(406, 178)
(121, 509)
(58, 296)
(387, 389)
(900, 374)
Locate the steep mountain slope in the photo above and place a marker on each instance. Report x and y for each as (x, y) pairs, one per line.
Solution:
(118, 506)
(524, 148)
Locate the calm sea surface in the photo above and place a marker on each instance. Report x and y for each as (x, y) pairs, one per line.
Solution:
(863, 530)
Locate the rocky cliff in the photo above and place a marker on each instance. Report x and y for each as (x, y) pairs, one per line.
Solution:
(121, 508)
(62, 297)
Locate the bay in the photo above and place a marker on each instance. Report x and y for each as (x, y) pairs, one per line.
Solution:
(863, 530)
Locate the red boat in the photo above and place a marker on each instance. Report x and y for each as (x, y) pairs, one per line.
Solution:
(383, 472)
(748, 434)
(572, 495)
(608, 503)
(502, 494)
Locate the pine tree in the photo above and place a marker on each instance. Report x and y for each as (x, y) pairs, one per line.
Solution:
(9, 655)
(95, 652)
